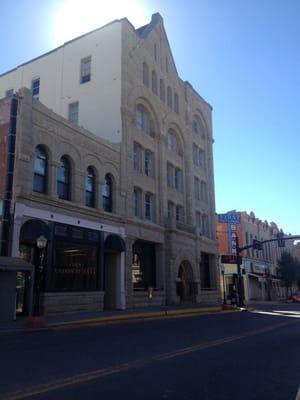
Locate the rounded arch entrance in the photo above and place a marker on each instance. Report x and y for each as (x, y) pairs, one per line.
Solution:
(185, 283)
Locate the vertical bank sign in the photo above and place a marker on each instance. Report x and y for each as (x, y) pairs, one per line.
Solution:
(232, 219)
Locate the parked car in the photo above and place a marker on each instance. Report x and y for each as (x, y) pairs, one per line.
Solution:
(295, 298)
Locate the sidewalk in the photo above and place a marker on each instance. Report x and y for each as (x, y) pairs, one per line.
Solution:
(102, 317)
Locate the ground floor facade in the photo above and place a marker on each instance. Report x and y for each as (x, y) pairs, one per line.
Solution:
(257, 282)
(91, 265)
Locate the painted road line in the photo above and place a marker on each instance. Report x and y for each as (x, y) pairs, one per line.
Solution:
(100, 373)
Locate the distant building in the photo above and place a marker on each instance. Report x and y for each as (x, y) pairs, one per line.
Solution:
(113, 163)
(261, 278)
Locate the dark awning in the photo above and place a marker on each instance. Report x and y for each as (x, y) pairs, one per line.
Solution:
(15, 264)
(114, 243)
(32, 229)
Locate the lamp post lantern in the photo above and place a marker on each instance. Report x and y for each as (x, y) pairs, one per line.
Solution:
(41, 243)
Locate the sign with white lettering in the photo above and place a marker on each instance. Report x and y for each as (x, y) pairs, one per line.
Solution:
(229, 218)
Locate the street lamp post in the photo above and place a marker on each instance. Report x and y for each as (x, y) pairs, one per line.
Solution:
(223, 281)
(41, 243)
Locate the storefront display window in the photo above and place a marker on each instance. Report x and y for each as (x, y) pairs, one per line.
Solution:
(75, 267)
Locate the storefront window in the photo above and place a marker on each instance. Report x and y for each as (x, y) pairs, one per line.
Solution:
(75, 267)
(143, 265)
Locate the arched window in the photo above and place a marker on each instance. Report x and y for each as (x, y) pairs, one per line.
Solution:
(169, 97)
(197, 127)
(154, 82)
(90, 185)
(63, 179)
(173, 143)
(107, 194)
(145, 74)
(162, 94)
(143, 120)
(40, 171)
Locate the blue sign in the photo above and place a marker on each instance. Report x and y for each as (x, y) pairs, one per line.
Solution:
(229, 218)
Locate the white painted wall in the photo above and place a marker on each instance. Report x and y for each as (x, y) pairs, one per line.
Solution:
(59, 72)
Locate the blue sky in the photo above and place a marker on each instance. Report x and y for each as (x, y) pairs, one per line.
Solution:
(242, 56)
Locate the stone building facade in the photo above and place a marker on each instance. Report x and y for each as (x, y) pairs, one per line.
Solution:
(144, 186)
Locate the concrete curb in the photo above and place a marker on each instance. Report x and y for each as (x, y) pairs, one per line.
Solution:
(139, 316)
(184, 312)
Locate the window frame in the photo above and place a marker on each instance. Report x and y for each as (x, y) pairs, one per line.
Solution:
(85, 76)
(90, 195)
(107, 200)
(43, 177)
(35, 89)
(72, 112)
(65, 194)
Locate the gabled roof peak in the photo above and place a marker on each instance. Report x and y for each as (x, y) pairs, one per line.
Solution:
(146, 29)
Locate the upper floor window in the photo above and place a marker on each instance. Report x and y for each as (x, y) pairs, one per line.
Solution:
(178, 180)
(137, 157)
(73, 112)
(179, 214)
(63, 179)
(202, 158)
(195, 154)
(145, 74)
(35, 88)
(155, 52)
(107, 194)
(90, 187)
(199, 158)
(169, 97)
(137, 202)
(176, 103)
(149, 163)
(197, 189)
(167, 64)
(170, 174)
(149, 206)
(154, 82)
(85, 69)
(171, 207)
(198, 221)
(203, 191)
(40, 171)
(205, 225)
(162, 94)
(197, 127)
(143, 120)
(173, 143)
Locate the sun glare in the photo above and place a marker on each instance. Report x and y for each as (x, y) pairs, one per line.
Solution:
(75, 17)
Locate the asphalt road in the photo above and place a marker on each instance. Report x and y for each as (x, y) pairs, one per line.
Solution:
(211, 357)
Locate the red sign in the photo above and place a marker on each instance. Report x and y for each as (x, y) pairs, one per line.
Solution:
(228, 259)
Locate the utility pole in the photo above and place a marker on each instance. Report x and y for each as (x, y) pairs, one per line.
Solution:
(239, 276)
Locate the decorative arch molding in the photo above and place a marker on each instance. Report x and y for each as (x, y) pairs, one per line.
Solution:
(70, 151)
(91, 160)
(196, 112)
(46, 145)
(140, 95)
(184, 257)
(169, 123)
(110, 169)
